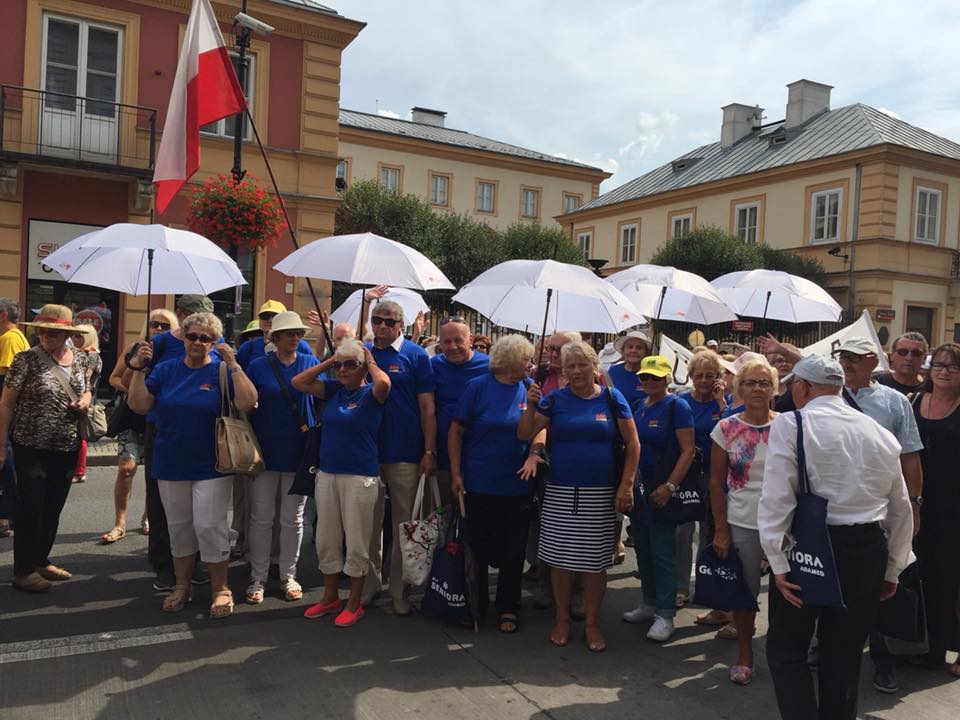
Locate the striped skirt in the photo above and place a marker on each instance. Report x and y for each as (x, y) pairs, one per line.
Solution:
(578, 528)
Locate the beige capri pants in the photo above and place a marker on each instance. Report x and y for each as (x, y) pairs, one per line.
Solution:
(197, 517)
(345, 509)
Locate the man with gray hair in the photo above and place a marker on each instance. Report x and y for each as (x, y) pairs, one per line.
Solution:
(906, 357)
(12, 341)
(553, 380)
(408, 439)
(854, 464)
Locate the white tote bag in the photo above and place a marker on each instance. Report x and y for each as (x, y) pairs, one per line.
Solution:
(420, 536)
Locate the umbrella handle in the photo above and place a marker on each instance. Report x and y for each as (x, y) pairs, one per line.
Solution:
(463, 509)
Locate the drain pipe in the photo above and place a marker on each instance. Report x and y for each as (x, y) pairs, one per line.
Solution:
(851, 285)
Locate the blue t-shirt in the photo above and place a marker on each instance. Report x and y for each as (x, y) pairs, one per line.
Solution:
(186, 406)
(581, 437)
(652, 427)
(492, 453)
(167, 347)
(256, 348)
(627, 383)
(280, 436)
(401, 438)
(352, 420)
(451, 380)
(705, 416)
(731, 410)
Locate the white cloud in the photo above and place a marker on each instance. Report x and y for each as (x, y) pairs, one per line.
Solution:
(389, 114)
(891, 113)
(650, 131)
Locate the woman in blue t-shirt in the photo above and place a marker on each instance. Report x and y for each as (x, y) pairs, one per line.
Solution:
(185, 397)
(661, 421)
(348, 486)
(280, 423)
(490, 467)
(586, 486)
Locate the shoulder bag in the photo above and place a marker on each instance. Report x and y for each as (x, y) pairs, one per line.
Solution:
(237, 448)
(420, 535)
(304, 479)
(812, 563)
(619, 447)
(93, 423)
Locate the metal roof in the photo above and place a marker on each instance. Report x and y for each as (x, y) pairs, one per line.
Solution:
(447, 136)
(835, 132)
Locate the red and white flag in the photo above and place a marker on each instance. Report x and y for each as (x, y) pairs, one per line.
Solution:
(205, 90)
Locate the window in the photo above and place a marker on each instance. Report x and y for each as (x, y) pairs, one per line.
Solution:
(584, 242)
(825, 216)
(440, 189)
(342, 170)
(920, 319)
(928, 202)
(530, 203)
(486, 196)
(746, 219)
(571, 202)
(227, 127)
(680, 225)
(391, 178)
(628, 243)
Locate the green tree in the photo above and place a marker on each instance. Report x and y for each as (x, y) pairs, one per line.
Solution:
(710, 252)
(533, 241)
(802, 266)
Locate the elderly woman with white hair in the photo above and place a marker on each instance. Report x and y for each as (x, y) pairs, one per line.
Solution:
(490, 466)
(186, 399)
(347, 487)
(589, 482)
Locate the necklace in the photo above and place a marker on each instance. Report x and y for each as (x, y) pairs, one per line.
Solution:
(947, 410)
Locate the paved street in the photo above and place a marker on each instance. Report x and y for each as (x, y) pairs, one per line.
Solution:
(99, 647)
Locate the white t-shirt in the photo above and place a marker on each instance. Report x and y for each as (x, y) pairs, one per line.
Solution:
(746, 447)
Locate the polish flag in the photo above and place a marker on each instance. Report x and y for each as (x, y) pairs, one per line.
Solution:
(205, 90)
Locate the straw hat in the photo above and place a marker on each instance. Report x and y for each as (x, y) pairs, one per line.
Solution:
(53, 317)
(287, 320)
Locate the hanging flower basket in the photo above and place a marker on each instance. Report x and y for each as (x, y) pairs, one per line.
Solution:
(241, 215)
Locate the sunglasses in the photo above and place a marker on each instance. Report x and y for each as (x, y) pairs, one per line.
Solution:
(647, 377)
(389, 322)
(481, 346)
(853, 357)
(157, 325)
(193, 337)
(346, 364)
(903, 352)
(267, 316)
(452, 318)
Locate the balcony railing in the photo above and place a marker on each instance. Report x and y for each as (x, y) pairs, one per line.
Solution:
(46, 126)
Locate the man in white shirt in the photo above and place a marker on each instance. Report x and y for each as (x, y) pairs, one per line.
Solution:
(855, 464)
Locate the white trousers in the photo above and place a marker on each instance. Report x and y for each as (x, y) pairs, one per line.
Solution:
(197, 517)
(346, 506)
(262, 503)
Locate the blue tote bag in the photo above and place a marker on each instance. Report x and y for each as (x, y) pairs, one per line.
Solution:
(720, 582)
(812, 564)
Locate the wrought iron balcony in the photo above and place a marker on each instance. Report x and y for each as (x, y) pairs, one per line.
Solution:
(69, 130)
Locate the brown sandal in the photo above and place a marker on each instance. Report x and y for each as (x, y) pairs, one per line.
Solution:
(178, 598)
(220, 610)
(117, 533)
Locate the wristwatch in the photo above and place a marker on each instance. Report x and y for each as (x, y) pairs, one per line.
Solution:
(917, 500)
(430, 452)
(671, 487)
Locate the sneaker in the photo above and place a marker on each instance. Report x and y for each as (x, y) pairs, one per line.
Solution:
(639, 614)
(164, 581)
(79, 479)
(661, 630)
(347, 618)
(321, 609)
(885, 681)
(201, 576)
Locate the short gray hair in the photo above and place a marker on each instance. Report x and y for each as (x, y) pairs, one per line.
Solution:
(389, 308)
(914, 336)
(205, 320)
(11, 308)
(508, 351)
(580, 349)
(572, 336)
(351, 349)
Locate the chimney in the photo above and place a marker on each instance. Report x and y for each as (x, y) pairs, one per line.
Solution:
(805, 100)
(738, 122)
(426, 116)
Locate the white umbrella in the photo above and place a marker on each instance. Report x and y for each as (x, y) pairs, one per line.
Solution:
(776, 295)
(544, 294)
(411, 302)
(665, 293)
(145, 259)
(364, 259)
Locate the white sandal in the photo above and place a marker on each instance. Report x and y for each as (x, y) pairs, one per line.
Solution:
(255, 592)
(291, 590)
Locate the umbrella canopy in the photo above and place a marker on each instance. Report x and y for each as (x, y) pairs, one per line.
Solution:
(517, 293)
(776, 295)
(410, 300)
(364, 259)
(118, 257)
(665, 293)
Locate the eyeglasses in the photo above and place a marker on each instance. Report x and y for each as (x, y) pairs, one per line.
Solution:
(267, 315)
(944, 367)
(157, 325)
(346, 364)
(853, 357)
(193, 337)
(704, 376)
(452, 318)
(389, 322)
(762, 384)
(903, 352)
(647, 377)
(555, 349)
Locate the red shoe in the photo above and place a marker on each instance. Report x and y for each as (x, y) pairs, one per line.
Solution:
(321, 609)
(347, 618)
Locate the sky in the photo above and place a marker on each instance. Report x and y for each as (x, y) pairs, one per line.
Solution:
(627, 85)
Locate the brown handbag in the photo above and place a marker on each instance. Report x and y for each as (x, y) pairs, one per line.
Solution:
(237, 448)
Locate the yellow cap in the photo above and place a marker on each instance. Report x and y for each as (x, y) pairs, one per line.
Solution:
(656, 365)
(272, 306)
